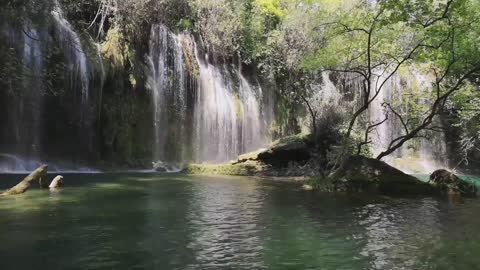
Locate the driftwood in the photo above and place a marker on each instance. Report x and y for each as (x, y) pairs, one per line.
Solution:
(57, 182)
(25, 184)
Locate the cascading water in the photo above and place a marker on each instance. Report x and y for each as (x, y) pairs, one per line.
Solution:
(229, 119)
(168, 82)
(24, 112)
(204, 112)
(79, 74)
(216, 107)
(422, 155)
(384, 133)
(74, 54)
(24, 142)
(33, 65)
(326, 95)
(253, 125)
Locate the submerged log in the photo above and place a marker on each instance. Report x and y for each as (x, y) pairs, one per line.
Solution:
(57, 182)
(25, 184)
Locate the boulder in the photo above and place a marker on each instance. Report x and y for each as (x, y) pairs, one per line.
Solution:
(359, 173)
(448, 182)
(247, 168)
(281, 152)
(159, 166)
(307, 187)
(57, 182)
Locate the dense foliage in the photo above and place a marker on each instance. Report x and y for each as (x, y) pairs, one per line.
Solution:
(290, 42)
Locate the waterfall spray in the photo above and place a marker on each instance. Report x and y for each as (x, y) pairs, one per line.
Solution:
(73, 51)
(222, 110)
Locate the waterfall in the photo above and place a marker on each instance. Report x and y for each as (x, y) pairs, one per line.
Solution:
(228, 115)
(26, 137)
(422, 155)
(254, 123)
(202, 111)
(384, 133)
(74, 54)
(33, 65)
(326, 95)
(167, 82)
(11, 163)
(79, 76)
(407, 94)
(216, 108)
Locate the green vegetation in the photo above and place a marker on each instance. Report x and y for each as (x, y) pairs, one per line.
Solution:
(287, 44)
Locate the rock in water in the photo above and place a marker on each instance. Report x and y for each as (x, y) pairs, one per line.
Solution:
(360, 173)
(452, 184)
(159, 166)
(57, 182)
(307, 187)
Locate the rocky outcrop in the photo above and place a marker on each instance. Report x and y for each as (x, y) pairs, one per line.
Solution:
(282, 152)
(159, 166)
(359, 173)
(25, 184)
(290, 156)
(449, 183)
(294, 156)
(247, 168)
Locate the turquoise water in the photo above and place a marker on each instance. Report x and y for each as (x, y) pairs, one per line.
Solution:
(142, 221)
(469, 178)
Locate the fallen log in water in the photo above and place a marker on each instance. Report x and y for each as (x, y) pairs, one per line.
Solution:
(24, 185)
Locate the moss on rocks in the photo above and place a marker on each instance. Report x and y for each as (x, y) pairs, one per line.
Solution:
(359, 173)
(449, 183)
(282, 152)
(292, 156)
(112, 48)
(287, 157)
(243, 169)
(190, 59)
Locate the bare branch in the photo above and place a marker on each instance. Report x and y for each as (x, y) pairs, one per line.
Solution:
(442, 17)
(369, 129)
(436, 106)
(404, 124)
(29, 36)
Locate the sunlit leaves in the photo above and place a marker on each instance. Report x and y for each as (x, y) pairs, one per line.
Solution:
(271, 7)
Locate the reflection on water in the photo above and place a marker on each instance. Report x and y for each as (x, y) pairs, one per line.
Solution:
(141, 221)
(395, 234)
(224, 217)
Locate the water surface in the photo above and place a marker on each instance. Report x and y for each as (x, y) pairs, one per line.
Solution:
(147, 221)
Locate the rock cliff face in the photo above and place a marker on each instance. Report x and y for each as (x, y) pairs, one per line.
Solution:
(129, 91)
(120, 98)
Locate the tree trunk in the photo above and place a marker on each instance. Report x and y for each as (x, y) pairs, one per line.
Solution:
(23, 186)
